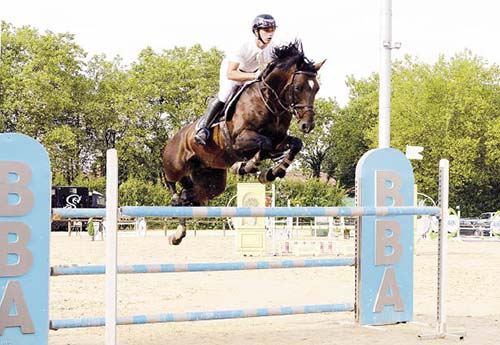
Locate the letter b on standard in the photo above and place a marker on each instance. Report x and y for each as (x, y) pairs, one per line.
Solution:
(14, 179)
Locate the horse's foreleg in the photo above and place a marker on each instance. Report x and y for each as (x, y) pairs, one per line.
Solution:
(249, 141)
(293, 145)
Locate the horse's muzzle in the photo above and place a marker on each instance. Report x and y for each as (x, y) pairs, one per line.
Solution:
(306, 126)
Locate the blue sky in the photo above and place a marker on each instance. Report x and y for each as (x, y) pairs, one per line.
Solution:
(346, 32)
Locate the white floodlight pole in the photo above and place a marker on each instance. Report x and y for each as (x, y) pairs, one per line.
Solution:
(384, 107)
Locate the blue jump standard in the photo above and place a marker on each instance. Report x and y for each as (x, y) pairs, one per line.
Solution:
(201, 267)
(202, 315)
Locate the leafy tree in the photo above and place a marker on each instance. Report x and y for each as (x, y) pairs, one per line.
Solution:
(312, 192)
(61, 144)
(351, 127)
(318, 144)
(41, 93)
(169, 90)
(451, 108)
(137, 192)
(41, 81)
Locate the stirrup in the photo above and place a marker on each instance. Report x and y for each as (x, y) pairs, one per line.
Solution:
(201, 137)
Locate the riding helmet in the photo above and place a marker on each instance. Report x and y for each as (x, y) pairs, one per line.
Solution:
(263, 21)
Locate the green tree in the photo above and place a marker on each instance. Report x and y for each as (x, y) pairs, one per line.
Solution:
(318, 144)
(168, 90)
(452, 109)
(41, 81)
(352, 124)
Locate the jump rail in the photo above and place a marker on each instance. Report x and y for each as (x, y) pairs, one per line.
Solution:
(202, 315)
(200, 212)
(201, 267)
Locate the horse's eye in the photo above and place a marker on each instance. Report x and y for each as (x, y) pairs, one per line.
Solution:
(297, 88)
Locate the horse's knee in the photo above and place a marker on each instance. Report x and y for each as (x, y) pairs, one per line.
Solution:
(175, 200)
(295, 144)
(187, 197)
(266, 144)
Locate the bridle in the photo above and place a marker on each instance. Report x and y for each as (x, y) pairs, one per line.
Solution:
(291, 108)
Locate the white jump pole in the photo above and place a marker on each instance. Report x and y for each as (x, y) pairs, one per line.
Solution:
(442, 275)
(444, 166)
(111, 243)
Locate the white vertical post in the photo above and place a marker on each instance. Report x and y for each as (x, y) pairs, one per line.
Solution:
(111, 243)
(272, 220)
(444, 167)
(442, 276)
(384, 108)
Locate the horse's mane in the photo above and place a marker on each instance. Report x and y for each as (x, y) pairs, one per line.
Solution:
(288, 55)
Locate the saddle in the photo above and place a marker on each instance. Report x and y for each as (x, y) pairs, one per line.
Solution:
(227, 112)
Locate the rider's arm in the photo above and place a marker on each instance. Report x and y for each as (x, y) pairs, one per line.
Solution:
(234, 74)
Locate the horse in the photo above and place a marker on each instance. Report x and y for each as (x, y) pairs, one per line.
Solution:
(255, 128)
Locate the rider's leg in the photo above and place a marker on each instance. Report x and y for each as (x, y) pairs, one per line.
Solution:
(225, 88)
(203, 132)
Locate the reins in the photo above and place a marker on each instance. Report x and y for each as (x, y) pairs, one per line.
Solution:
(292, 107)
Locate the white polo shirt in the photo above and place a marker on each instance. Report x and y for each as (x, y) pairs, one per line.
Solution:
(250, 58)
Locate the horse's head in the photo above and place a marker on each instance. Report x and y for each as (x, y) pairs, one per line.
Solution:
(299, 83)
(302, 89)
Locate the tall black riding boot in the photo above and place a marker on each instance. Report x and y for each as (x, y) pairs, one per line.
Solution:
(203, 132)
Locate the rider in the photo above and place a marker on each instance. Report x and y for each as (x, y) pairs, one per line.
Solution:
(243, 65)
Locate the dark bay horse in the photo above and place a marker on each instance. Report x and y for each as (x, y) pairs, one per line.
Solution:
(256, 128)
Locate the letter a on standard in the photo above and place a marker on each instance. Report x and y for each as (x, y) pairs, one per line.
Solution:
(13, 297)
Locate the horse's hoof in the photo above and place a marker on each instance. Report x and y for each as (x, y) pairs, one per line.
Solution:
(236, 168)
(266, 177)
(174, 241)
(281, 173)
(176, 238)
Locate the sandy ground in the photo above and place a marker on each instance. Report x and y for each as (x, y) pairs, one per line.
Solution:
(473, 295)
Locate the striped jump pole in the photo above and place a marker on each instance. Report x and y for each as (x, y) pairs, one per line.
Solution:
(203, 315)
(200, 212)
(201, 267)
(210, 212)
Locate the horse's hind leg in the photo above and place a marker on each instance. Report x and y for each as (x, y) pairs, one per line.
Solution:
(176, 238)
(184, 199)
(173, 191)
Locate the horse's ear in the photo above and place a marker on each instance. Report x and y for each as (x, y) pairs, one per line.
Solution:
(318, 65)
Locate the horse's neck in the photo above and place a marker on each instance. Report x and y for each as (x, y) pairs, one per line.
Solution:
(277, 81)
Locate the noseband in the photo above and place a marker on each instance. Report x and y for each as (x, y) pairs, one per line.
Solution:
(292, 107)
